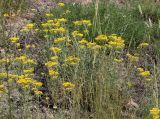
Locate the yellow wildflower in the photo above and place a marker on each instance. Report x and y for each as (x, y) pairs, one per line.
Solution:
(116, 42)
(50, 64)
(101, 38)
(62, 20)
(29, 26)
(155, 112)
(37, 92)
(53, 73)
(14, 39)
(143, 45)
(87, 22)
(54, 58)
(145, 73)
(49, 14)
(50, 21)
(58, 30)
(56, 24)
(77, 34)
(17, 44)
(68, 85)
(91, 45)
(83, 41)
(77, 23)
(60, 40)
(82, 22)
(28, 46)
(21, 58)
(118, 60)
(2, 88)
(133, 58)
(55, 49)
(140, 69)
(61, 4)
(37, 83)
(24, 81)
(72, 60)
(6, 60)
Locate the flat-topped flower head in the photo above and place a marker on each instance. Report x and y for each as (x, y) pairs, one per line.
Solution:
(60, 40)
(29, 26)
(145, 73)
(55, 49)
(49, 14)
(68, 86)
(101, 38)
(143, 45)
(71, 60)
(14, 39)
(61, 4)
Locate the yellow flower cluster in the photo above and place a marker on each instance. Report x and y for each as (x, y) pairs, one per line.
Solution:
(51, 64)
(14, 39)
(30, 46)
(143, 45)
(23, 80)
(6, 60)
(112, 42)
(101, 38)
(143, 73)
(61, 4)
(5, 75)
(29, 26)
(116, 42)
(83, 43)
(118, 60)
(55, 49)
(60, 40)
(62, 20)
(77, 34)
(37, 92)
(133, 58)
(25, 60)
(54, 58)
(58, 30)
(68, 86)
(90, 45)
(52, 67)
(54, 74)
(93, 46)
(49, 14)
(2, 89)
(54, 26)
(71, 60)
(82, 22)
(155, 112)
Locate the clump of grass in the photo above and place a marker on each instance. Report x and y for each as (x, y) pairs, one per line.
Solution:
(74, 60)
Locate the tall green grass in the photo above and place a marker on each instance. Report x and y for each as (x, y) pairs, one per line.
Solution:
(104, 89)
